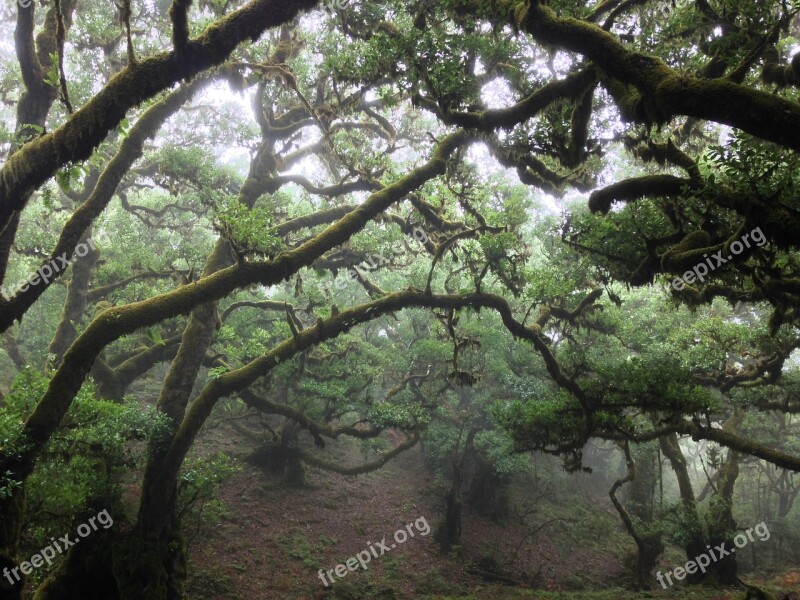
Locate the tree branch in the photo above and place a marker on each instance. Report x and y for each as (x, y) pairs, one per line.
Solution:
(74, 141)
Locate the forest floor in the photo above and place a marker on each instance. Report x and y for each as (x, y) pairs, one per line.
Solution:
(271, 540)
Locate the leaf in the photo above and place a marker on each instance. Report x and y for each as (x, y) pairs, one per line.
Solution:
(155, 337)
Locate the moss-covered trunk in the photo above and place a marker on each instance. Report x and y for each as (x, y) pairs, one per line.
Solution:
(75, 305)
(12, 514)
(280, 455)
(649, 546)
(85, 574)
(158, 523)
(155, 552)
(722, 525)
(642, 489)
(294, 473)
(122, 565)
(448, 533)
(695, 544)
(147, 565)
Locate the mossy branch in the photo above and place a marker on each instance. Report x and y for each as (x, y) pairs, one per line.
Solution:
(76, 139)
(635, 188)
(129, 151)
(61, 36)
(115, 322)
(314, 428)
(178, 14)
(30, 67)
(740, 444)
(671, 92)
(711, 434)
(572, 86)
(782, 75)
(530, 170)
(135, 366)
(311, 459)
(101, 292)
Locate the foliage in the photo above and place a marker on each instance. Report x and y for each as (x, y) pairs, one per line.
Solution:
(84, 464)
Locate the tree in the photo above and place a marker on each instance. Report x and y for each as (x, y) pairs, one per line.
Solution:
(365, 131)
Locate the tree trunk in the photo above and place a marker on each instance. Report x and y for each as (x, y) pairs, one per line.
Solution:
(448, 533)
(294, 473)
(640, 497)
(75, 304)
(722, 526)
(155, 552)
(648, 547)
(489, 492)
(695, 544)
(85, 574)
(157, 548)
(151, 566)
(12, 516)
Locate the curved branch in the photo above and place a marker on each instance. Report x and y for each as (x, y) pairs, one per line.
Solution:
(101, 292)
(723, 438)
(240, 379)
(669, 91)
(741, 444)
(116, 322)
(75, 141)
(310, 459)
(488, 120)
(636, 188)
(130, 150)
(314, 428)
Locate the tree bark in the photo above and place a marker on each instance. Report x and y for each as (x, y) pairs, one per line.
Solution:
(722, 526)
(74, 306)
(648, 548)
(696, 544)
